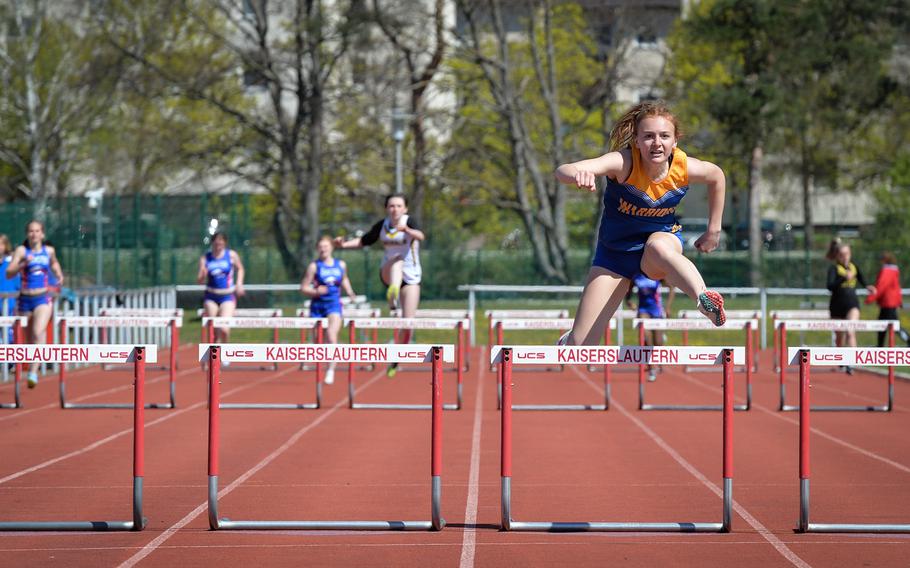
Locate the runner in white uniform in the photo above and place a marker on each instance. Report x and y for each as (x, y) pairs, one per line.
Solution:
(400, 234)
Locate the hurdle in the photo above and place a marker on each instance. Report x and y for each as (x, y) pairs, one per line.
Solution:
(836, 360)
(826, 356)
(139, 355)
(442, 313)
(266, 322)
(207, 336)
(17, 323)
(301, 354)
(347, 313)
(731, 314)
(102, 322)
(703, 324)
(543, 323)
(520, 314)
(139, 313)
(459, 325)
(776, 315)
(609, 355)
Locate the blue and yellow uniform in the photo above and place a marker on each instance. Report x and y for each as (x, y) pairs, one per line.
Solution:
(219, 287)
(330, 276)
(35, 271)
(636, 208)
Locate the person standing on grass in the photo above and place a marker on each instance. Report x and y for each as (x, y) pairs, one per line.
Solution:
(400, 234)
(222, 272)
(323, 282)
(35, 260)
(647, 176)
(887, 292)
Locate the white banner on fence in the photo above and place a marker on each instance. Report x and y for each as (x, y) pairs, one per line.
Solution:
(693, 324)
(407, 323)
(838, 325)
(264, 323)
(111, 321)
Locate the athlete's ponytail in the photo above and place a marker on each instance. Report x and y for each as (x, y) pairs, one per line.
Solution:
(623, 134)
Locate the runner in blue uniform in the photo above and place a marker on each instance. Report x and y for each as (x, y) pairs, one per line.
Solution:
(650, 305)
(35, 261)
(9, 286)
(323, 282)
(647, 176)
(222, 272)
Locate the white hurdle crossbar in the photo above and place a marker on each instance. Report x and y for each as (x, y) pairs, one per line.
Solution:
(560, 324)
(444, 313)
(301, 354)
(783, 325)
(609, 355)
(138, 355)
(171, 323)
(18, 323)
(776, 315)
(239, 353)
(731, 314)
(458, 325)
(815, 356)
(702, 325)
(208, 335)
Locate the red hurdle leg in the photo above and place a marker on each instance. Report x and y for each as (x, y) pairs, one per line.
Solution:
(782, 361)
(138, 437)
(750, 358)
(804, 430)
(728, 440)
(436, 461)
(62, 370)
(641, 369)
(214, 396)
(459, 362)
(506, 440)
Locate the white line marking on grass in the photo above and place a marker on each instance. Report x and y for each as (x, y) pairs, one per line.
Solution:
(469, 539)
(172, 530)
(129, 430)
(753, 522)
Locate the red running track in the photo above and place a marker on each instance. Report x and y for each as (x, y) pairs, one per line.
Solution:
(336, 463)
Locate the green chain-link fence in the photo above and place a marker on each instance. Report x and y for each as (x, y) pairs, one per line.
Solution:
(152, 240)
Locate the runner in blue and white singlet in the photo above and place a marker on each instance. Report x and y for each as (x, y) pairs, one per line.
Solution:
(36, 262)
(222, 272)
(323, 282)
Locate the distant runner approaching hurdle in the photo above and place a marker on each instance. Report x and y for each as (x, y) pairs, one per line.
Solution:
(843, 277)
(222, 272)
(322, 283)
(35, 261)
(651, 306)
(400, 234)
(647, 177)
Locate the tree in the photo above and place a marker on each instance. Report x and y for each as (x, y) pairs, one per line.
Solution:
(518, 93)
(721, 69)
(289, 54)
(58, 80)
(405, 28)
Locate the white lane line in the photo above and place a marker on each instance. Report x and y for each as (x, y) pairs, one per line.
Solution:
(761, 529)
(830, 437)
(127, 431)
(469, 539)
(172, 530)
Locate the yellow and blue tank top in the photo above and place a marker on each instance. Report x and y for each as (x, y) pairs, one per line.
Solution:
(638, 207)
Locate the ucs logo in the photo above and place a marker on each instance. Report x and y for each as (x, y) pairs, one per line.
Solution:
(531, 356)
(238, 354)
(702, 357)
(828, 357)
(113, 355)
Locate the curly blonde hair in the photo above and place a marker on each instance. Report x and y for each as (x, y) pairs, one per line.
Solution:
(624, 131)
